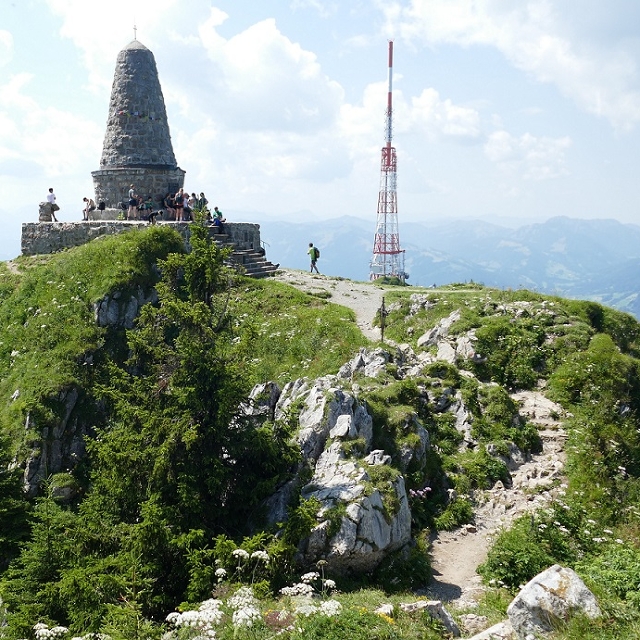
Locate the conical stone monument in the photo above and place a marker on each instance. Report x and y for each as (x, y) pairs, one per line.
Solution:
(137, 146)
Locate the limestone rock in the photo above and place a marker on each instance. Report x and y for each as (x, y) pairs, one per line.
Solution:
(376, 457)
(45, 212)
(263, 400)
(500, 631)
(437, 611)
(385, 609)
(446, 352)
(439, 332)
(550, 597)
(369, 363)
(513, 460)
(473, 623)
(57, 448)
(464, 346)
(116, 310)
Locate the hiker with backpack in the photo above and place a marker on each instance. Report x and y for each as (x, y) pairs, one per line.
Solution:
(314, 254)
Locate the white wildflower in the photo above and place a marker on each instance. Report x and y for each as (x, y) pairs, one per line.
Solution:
(260, 555)
(246, 616)
(306, 610)
(329, 584)
(240, 553)
(299, 589)
(243, 597)
(221, 573)
(330, 608)
(310, 577)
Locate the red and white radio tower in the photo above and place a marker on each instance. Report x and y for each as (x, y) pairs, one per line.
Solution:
(388, 258)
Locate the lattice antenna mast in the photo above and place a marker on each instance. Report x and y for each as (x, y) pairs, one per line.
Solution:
(388, 258)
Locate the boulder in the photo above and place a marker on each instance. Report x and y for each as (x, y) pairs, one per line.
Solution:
(437, 611)
(439, 332)
(368, 363)
(367, 531)
(549, 598)
(500, 631)
(45, 212)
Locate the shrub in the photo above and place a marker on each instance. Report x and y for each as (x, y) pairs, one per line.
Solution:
(457, 512)
(616, 571)
(516, 556)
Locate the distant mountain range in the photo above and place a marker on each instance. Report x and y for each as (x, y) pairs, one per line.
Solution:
(591, 259)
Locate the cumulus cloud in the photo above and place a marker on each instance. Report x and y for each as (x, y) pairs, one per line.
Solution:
(532, 157)
(268, 81)
(100, 28)
(535, 37)
(426, 116)
(58, 141)
(442, 118)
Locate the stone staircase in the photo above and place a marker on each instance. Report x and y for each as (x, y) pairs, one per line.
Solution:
(248, 262)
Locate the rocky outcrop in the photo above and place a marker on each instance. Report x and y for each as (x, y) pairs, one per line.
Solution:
(548, 599)
(364, 510)
(118, 309)
(59, 447)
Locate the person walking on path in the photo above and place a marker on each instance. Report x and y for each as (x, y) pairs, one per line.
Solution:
(51, 199)
(314, 254)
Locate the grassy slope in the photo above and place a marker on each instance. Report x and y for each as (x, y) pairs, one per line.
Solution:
(47, 328)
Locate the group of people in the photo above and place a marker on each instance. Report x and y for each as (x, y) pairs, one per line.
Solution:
(178, 207)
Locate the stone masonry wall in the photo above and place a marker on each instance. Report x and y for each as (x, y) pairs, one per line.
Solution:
(111, 186)
(49, 237)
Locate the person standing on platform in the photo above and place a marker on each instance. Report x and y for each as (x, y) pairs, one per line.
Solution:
(51, 199)
(133, 204)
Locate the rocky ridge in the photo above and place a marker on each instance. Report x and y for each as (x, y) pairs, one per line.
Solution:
(535, 480)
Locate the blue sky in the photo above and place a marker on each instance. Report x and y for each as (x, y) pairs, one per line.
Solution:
(504, 110)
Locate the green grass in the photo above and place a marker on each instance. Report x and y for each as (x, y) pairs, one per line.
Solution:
(47, 317)
(291, 334)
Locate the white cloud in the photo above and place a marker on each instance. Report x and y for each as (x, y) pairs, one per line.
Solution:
(57, 141)
(100, 28)
(268, 81)
(534, 158)
(534, 37)
(324, 9)
(442, 118)
(6, 47)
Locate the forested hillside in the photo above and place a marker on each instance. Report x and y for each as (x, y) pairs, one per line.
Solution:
(140, 462)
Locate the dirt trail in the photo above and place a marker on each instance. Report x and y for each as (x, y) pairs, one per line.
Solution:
(535, 482)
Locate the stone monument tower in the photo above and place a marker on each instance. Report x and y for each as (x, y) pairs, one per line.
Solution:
(137, 146)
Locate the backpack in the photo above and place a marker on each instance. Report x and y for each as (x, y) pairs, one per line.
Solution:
(317, 254)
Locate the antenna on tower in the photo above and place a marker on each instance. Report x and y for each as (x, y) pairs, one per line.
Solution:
(388, 258)
(135, 32)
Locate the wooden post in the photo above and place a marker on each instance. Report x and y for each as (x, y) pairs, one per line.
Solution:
(383, 315)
